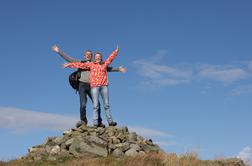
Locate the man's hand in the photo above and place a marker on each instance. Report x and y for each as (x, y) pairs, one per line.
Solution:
(122, 69)
(55, 48)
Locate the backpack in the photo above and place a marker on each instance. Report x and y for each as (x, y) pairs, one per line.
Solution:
(74, 79)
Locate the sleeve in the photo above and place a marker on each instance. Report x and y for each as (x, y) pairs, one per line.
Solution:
(77, 65)
(111, 69)
(110, 58)
(67, 57)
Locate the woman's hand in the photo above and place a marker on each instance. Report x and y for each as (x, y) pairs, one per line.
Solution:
(117, 48)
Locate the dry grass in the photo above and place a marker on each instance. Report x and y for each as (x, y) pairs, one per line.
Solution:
(188, 159)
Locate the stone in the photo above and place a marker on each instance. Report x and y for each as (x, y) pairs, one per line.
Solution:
(125, 129)
(93, 141)
(110, 133)
(117, 152)
(77, 129)
(84, 128)
(149, 148)
(49, 141)
(81, 146)
(141, 153)
(58, 140)
(135, 146)
(131, 152)
(63, 146)
(121, 137)
(69, 142)
(48, 148)
(67, 132)
(34, 150)
(123, 146)
(132, 138)
(55, 150)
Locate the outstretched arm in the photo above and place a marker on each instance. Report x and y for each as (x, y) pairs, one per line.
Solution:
(56, 49)
(111, 57)
(77, 65)
(120, 69)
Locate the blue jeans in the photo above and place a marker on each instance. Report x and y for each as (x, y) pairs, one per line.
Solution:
(84, 91)
(96, 92)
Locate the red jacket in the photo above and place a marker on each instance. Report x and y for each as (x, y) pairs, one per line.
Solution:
(98, 72)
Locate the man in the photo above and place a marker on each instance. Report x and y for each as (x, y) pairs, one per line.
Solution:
(84, 84)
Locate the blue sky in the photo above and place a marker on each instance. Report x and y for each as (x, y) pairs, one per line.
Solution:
(188, 85)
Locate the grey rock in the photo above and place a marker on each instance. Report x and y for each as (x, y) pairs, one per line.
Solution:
(80, 147)
(132, 138)
(135, 146)
(123, 146)
(96, 140)
(88, 140)
(141, 153)
(67, 132)
(63, 146)
(149, 148)
(84, 128)
(125, 129)
(117, 152)
(69, 142)
(131, 152)
(48, 148)
(55, 150)
(121, 137)
(58, 140)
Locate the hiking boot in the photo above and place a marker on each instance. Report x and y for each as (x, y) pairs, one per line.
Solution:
(101, 125)
(112, 124)
(80, 123)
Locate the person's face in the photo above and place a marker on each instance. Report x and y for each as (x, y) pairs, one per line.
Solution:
(88, 56)
(98, 58)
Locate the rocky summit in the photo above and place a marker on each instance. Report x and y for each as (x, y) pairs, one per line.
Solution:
(87, 140)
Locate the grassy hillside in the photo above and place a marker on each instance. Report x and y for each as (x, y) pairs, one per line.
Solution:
(151, 159)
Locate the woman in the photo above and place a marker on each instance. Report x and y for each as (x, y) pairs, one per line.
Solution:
(98, 83)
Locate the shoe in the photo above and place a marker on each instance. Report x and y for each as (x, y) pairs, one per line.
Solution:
(112, 124)
(101, 125)
(80, 123)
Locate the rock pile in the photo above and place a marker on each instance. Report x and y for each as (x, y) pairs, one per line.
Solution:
(86, 140)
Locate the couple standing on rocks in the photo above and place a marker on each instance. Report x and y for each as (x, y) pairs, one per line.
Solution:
(93, 82)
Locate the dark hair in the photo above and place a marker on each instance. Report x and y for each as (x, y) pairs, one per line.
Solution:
(88, 51)
(99, 54)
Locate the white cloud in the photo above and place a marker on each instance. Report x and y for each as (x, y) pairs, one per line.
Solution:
(20, 120)
(250, 65)
(243, 89)
(156, 73)
(166, 143)
(246, 154)
(161, 75)
(146, 132)
(224, 74)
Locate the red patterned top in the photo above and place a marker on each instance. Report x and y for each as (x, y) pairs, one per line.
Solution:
(98, 72)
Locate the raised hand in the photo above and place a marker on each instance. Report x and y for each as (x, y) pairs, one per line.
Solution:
(122, 69)
(117, 48)
(55, 48)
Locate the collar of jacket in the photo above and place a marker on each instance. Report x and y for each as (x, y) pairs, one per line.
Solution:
(99, 63)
